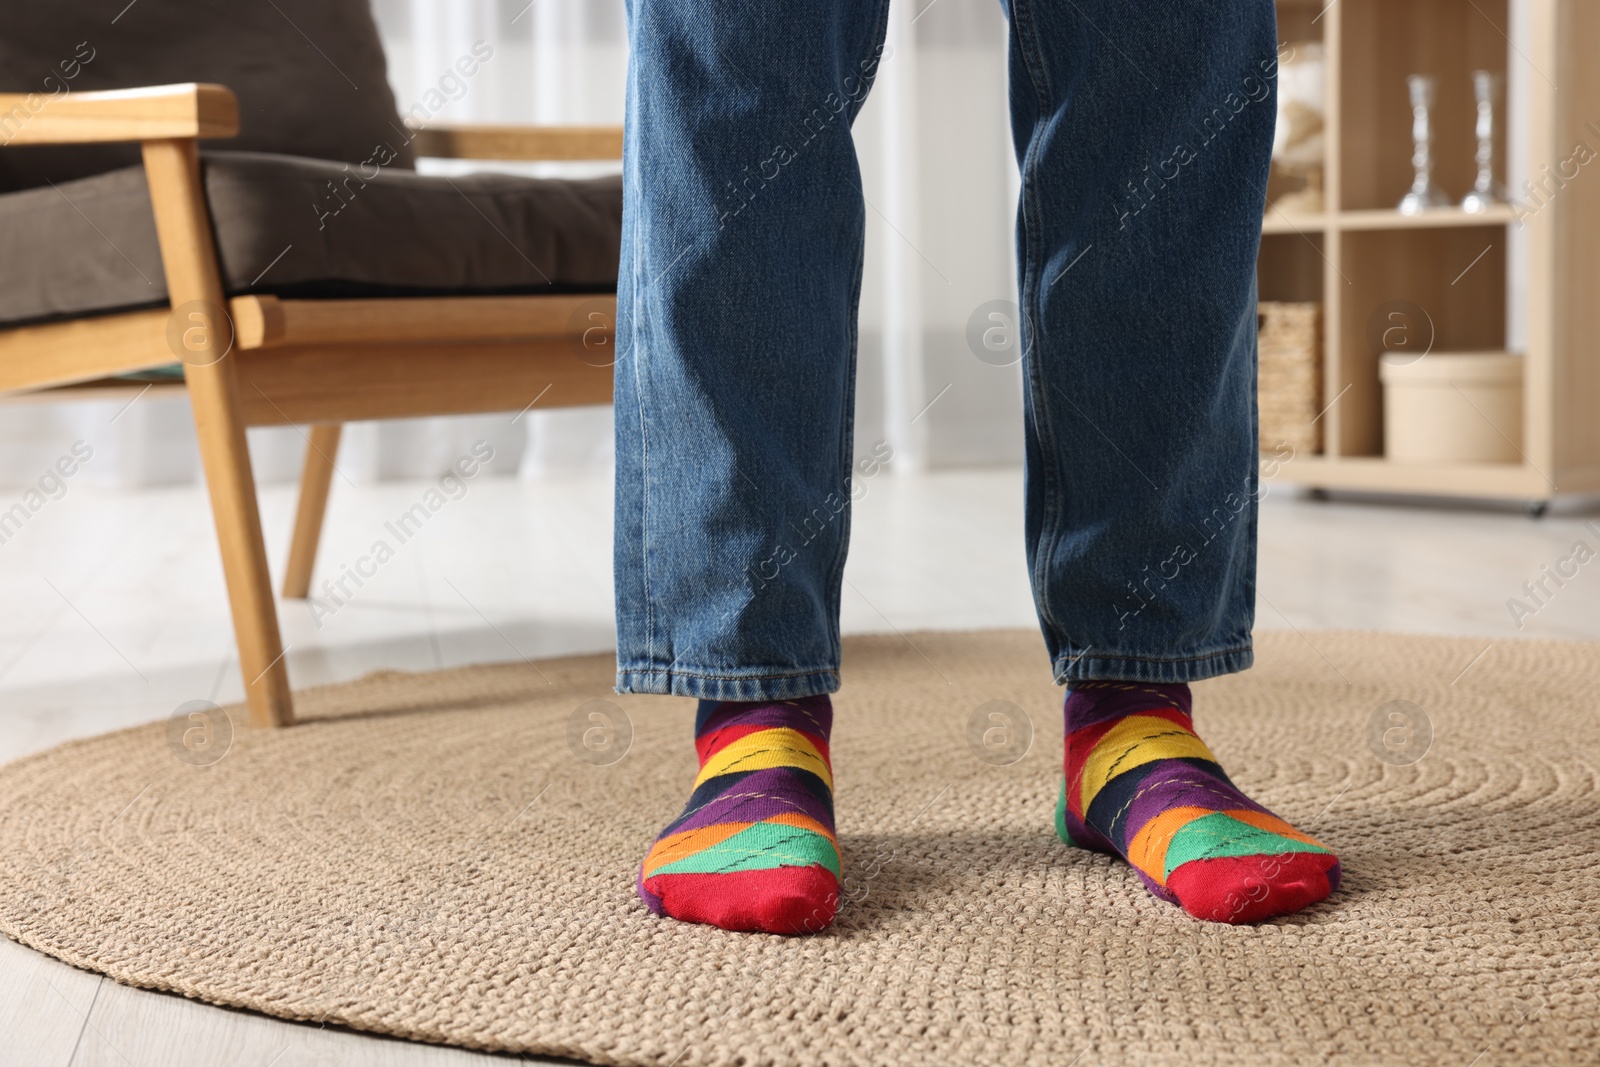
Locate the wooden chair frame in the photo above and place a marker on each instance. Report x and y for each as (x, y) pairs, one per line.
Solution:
(260, 361)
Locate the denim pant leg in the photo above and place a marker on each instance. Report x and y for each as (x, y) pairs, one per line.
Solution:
(736, 337)
(1143, 131)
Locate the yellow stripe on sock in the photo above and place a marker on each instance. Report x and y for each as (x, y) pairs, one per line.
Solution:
(777, 747)
(1133, 742)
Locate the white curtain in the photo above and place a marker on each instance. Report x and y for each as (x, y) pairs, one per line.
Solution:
(939, 179)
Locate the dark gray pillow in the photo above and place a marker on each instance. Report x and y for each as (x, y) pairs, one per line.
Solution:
(310, 74)
(90, 245)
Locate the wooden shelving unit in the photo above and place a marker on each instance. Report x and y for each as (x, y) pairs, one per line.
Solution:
(1363, 255)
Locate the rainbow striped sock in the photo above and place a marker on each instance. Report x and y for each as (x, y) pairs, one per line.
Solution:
(755, 847)
(1139, 784)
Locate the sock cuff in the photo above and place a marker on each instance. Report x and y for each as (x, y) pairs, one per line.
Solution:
(812, 715)
(1089, 703)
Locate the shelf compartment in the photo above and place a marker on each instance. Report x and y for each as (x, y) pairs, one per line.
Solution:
(1301, 20)
(1383, 43)
(1440, 290)
(1290, 267)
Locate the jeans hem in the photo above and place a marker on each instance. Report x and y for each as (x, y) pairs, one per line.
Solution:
(1167, 669)
(706, 685)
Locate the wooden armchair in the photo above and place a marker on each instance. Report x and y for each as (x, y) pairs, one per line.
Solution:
(262, 359)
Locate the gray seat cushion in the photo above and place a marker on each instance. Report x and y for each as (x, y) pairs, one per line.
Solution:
(310, 74)
(303, 227)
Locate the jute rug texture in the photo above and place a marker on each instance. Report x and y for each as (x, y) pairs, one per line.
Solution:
(450, 857)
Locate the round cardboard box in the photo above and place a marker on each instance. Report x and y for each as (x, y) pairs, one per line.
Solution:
(1452, 407)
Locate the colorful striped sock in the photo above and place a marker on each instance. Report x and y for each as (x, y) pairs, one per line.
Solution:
(755, 847)
(1139, 784)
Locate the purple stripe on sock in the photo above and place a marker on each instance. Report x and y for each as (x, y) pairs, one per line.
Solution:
(651, 900)
(761, 795)
(814, 715)
(1157, 890)
(1094, 702)
(1179, 785)
(1085, 836)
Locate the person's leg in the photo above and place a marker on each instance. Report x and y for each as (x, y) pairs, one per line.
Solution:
(737, 295)
(1144, 133)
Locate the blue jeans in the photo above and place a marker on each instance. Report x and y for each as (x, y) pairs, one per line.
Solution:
(1143, 131)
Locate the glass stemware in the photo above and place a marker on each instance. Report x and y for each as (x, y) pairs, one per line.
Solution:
(1486, 191)
(1425, 194)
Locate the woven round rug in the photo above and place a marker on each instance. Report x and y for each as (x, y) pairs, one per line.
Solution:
(450, 857)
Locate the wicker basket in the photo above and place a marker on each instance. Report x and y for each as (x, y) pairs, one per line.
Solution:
(1290, 377)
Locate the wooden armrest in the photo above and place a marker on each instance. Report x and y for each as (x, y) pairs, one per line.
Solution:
(543, 143)
(161, 112)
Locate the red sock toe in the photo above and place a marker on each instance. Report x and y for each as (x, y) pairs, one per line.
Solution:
(782, 900)
(1247, 889)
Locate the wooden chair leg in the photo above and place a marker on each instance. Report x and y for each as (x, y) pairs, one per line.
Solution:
(315, 480)
(189, 258)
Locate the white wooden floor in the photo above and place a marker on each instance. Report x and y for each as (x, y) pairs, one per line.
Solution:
(116, 615)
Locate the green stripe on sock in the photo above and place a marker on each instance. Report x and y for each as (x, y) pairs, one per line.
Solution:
(759, 848)
(1061, 816)
(1217, 835)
